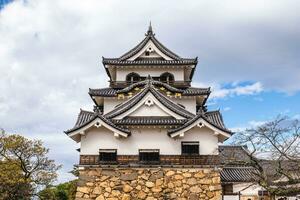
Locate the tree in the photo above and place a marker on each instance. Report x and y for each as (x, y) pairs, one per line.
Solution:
(24, 167)
(274, 153)
(63, 191)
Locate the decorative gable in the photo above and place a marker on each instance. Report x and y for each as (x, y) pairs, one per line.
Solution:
(150, 51)
(149, 105)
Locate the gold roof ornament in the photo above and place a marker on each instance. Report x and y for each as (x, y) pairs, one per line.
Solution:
(121, 96)
(162, 88)
(177, 94)
(137, 88)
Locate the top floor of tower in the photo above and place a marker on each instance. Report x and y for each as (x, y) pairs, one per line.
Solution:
(150, 58)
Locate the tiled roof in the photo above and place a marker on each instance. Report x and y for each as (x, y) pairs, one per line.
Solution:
(149, 36)
(111, 92)
(162, 99)
(177, 60)
(149, 121)
(233, 154)
(192, 91)
(213, 117)
(182, 61)
(85, 117)
(216, 118)
(238, 174)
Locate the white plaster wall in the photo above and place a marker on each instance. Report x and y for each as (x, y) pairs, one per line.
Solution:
(177, 72)
(188, 102)
(252, 190)
(111, 103)
(151, 138)
(149, 111)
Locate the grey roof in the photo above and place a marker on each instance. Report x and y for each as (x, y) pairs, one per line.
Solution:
(238, 174)
(150, 36)
(233, 154)
(162, 99)
(111, 92)
(116, 61)
(213, 117)
(149, 121)
(85, 117)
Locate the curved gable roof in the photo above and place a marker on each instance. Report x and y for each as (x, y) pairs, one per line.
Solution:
(160, 97)
(213, 118)
(86, 117)
(149, 36)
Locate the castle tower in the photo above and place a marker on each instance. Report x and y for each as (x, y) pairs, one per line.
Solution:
(150, 135)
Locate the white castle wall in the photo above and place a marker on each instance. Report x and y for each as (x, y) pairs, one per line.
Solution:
(147, 138)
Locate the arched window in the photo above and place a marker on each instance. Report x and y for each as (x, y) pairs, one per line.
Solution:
(132, 78)
(167, 77)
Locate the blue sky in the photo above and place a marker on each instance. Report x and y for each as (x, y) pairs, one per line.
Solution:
(50, 54)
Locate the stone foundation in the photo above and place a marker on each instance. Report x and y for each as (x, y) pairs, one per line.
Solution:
(148, 184)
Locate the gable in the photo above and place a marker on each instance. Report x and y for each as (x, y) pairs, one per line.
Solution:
(153, 51)
(149, 105)
(146, 110)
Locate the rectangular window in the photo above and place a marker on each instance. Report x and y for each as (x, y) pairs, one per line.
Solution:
(263, 193)
(108, 155)
(190, 148)
(149, 155)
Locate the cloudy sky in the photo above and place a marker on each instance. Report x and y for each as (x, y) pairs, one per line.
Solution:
(50, 54)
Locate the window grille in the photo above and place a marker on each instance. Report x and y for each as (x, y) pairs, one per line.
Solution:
(149, 155)
(190, 148)
(108, 155)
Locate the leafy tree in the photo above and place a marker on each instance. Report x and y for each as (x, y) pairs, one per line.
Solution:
(274, 154)
(64, 191)
(24, 167)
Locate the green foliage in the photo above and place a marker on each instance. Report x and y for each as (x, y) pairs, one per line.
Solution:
(64, 191)
(24, 167)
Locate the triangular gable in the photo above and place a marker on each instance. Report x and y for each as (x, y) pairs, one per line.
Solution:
(86, 120)
(149, 105)
(151, 49)
(199, 121)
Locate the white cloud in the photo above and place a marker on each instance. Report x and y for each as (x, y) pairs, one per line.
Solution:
(227, 109)
(51, 51)
(235, 89)
(250, 89)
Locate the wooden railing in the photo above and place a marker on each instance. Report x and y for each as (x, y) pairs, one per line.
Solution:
(164, 160)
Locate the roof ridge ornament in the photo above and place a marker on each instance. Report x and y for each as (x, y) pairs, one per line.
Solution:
(150, 31)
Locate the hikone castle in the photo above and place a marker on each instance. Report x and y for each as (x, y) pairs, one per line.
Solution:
(150, 135)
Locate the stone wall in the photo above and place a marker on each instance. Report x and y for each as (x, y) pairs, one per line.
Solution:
(149, 184)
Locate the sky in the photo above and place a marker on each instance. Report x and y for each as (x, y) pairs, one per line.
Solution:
(51, 51)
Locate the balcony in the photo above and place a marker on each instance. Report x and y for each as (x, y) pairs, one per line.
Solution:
(165, 160)
(123, 84)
